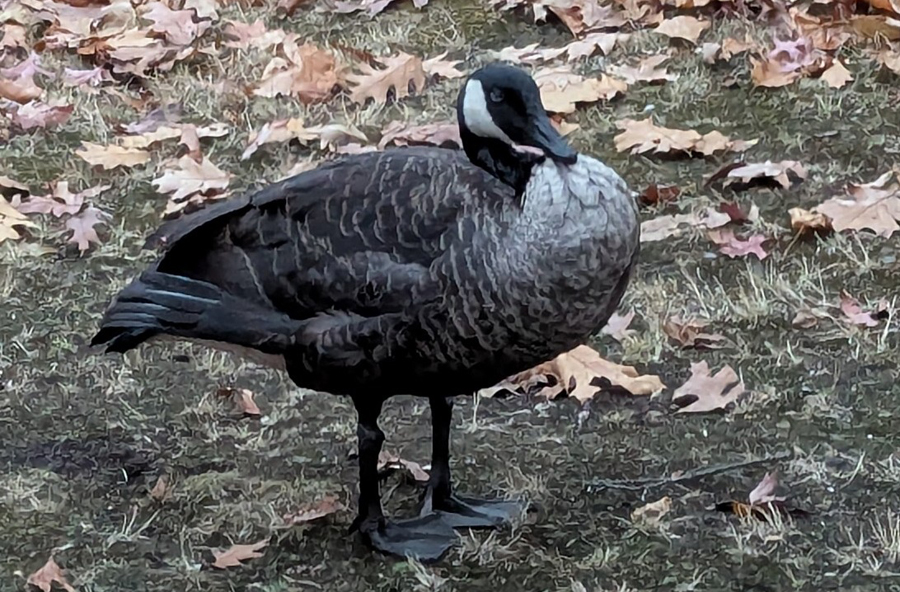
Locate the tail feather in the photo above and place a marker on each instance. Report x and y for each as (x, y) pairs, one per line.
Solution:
(160, 303)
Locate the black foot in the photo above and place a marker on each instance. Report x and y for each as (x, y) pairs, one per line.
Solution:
(425, 538)
(469, 512)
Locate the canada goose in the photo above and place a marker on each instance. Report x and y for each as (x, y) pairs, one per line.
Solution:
(410, 271)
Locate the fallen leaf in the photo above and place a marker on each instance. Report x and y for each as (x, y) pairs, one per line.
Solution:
(306, 72)
(49, 574)
(326, 506)
(733, 246)
(161, 491)
(806, 317)
(649, 515)
(110, 157)
(82, 227)
(837, 75)
(177, 26)
(14, 36)
(164, 115)
(61, 201)
(657, 194)
(233, 556)
(435, 134)
(438, 66)
(708, 392)
(617, 326)
(737, 214)
(647, 70)
(806, 223)
(890, 60)
(371, 7)
(36, 114)
(192, 182)
(392, 462)
(246, 35)
(663, 227)
(11, 187)
(688, 28)
(769, 74)
(561, 89)
(764, 492)
(580, 16)
(780, 172)
(690, 332)
(574, 372)
(20, 90)
(10, 218)
(398, 73)
(853, 312)
(93, 77)
(244, 400)
(642, 136)
(874, 206)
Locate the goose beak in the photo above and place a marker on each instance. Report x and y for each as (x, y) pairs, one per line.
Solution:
(544, 136)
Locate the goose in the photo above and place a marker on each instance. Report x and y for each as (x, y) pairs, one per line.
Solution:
(422, 271)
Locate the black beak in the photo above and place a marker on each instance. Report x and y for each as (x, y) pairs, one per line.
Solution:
(544, 136)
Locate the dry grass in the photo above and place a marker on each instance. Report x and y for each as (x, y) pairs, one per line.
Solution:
(86, 437)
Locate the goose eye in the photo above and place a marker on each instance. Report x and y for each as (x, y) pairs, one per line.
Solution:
(497, 95)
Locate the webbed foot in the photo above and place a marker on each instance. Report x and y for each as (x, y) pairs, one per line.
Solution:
(470, 512)
(425, 538)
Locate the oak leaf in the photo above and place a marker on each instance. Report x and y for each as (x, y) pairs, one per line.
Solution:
(853, 312)
(82, 227)
(706, 392)
(92, 77)
(764, 492)
(21, 89)
(806, 223)
(243, 400)
(192, 182)
(371, 7)
(663, 227)
(61, 201)
(642, 136)
(435, 134)
(837, 75)
(561, 89)
(655, 194)
(233, 556)
(733, 246)
(37, 114)
(580, 16)
(10, 218)
(324, 507)
(647, 70)
(874, 206)
(438, 66)
(688, 28)
(161, 490)
(14, 36)
(781, 172)
(49, 574)
(177, 26)
(690, 332)
(649, 515)
(769, 74)
(246, 35)
(617, 326)
(398, 73)
(110, 157)
(306, 72)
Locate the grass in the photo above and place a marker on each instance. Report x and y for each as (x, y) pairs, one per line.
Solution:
(86, 437)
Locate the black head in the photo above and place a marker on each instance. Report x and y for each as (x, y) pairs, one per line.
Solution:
(500, 111)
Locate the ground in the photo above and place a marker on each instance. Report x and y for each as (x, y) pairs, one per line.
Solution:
(86, 436)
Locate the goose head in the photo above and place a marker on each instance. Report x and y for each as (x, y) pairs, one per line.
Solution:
(504, 127)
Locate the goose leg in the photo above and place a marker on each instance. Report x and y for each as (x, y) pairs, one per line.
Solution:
(427, 537)
(458, 511)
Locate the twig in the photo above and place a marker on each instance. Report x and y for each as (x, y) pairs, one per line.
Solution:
(699, 473)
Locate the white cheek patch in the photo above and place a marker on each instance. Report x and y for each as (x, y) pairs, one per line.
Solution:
(477, 117)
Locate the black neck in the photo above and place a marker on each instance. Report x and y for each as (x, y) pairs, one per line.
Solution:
(500, 159)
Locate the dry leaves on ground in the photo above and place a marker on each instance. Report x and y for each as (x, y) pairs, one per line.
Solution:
(854, 313)
(659, 194)
(10, 220)
(762, 502)
(243, 400)
(837, 75)
(641, 136)
(192, 183)
(649, 515)
(331, 135)
(562, 89)
(399, 72)
(161, 490)
(110, 157)
(874, 206)
(705, 392)
(783, 173)
(49, 574)
(663, 227)
(617, 326)
(435, 134)
(690, 332)
(534, 53)
(688, 28)
(82, 227)
(325, 507)
(39, 115)
(731, 245)
(392, 462)
(233, 556)
(806, 223)
(647, 70)
(306, 72)
(573, 374)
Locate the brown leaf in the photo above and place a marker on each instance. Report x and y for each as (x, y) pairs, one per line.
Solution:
(649, 515)
(780, 172)
(580, 16)
(82, 227)
(307, 72)
(164, 115)
(688, 28)
(36, 114)
(372, 7)
(61, 202)
(708, 392)
(574, 371)
(161, 491)
(617, 326)
(246, 35)
(890, 60)
(177, 26)
(874, 206)
(191, 140)
(326, 506)
(764, 492)
(806, 223)
(243, 398)
(647, 70)
(398, 73)
(14, 36)
(690, 332)
(854, 313)
(435, 134)
(737, 214)
(438, 66)
(392, 462)
(110, 157)
(11, 187)
(49, 574)
(192, 182)
(20, 90)
(769, 73)
(233, 556)
(837, 75)
(10, 218)
(663, 227)
(561, 89)
(656, 194)
(733, 246)
(642, 136)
